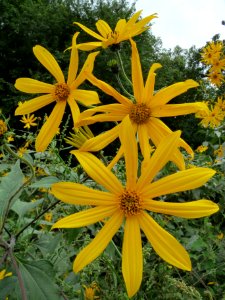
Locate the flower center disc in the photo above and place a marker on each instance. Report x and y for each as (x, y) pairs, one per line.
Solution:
(130, 203)
(61, 92)
(140, 113)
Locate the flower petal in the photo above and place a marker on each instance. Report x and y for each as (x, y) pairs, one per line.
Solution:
(86, 217)
(119, 154)
(74, 108)
(159, 159)
(97, 171)
(49, 62)
(144, 141)
(190, 210)
(99, 243)
(132, 260)
(150, 83)
(29, 85)
(164, 244)
(74, 59)
(89, 46)
(90, 32)
(85, 97)
(178, 182)
(129, 144)
(78, 194)
(171, 110)
(34, 104)
(103, 28)
(50, 127)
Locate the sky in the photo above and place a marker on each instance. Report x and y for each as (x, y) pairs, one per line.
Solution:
(184, 22)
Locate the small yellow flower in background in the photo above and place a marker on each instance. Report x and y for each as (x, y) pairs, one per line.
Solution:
(28, 120)
(211, 52)
(201, 149)
(220, 151)
(61, 92)
(129, 205)
(21, 151)
(80, 136)
(48, 217)
(90, 291)
(3, 274)
(220, 236)
(10, 138)
(145, 112)
(3, 127)
(216, 78)
(220, 103)
(124, 30)
(211, 117)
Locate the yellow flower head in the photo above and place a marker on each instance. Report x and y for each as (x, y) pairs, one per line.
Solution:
(90, 291)
(211, 117)
(10, 138)
(48, 217)
(201, 149)
(3, 127)
(3, 274)
(145, 112)
(60, 92)
(220, 103)
(29, 120)
(128, 204)
(220, 151)
(216, 78)
(124, 30)
(211, 52)
(80, 136)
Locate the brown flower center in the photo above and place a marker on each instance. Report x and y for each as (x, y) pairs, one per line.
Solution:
(61, 92)
(130, 203)
(140, 113)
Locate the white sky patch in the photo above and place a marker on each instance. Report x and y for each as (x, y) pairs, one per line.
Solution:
(185, 22)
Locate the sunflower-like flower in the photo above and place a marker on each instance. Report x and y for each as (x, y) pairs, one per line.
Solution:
(129, 204)
(211, 117)
(144, 112)
(123, 31)
(211, 52)
(60, 92)
(29, 120)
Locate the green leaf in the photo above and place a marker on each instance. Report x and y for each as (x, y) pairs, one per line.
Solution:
(10, 189)
(38, 278)
(21, 207)
(6, 286)
(45, 182)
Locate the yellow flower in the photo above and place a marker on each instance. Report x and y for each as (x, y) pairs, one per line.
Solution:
(80, 136)
(3, 127)
(216, 78)
(21, 151)
(211, 117)
(29, 120)
(211, 52)
(48, 217)
(10, 138)
(201, 149)
(3, 274)
(123, 31)
(219, 152)
(60, 92)
(128, 205)
(220, 236)
(217, 65)
(220, 103)
(144, 113)
(90, 291)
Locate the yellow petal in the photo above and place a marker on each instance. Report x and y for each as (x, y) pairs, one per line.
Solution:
(171, 110)
(74, 59)
(103, 28)
(85, 97)
(159, 159)
(33, 86)
(101, 141)
(134, 18)
(164, 244)
(34, 104)
(74, 108)
(89, 46)
(86, 217)
(89, 31)
(132, 261)
(78, 194)
(137, 78)
(49, 62)
(116, 158)
(50, 127)
(97, 171)
(129, 144)
(166, 94)
(190, 210)
(99, 243)
(144, 141)
(178, 182)
(120, 28)
(150, 83)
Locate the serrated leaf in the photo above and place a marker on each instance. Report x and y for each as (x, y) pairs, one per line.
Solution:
(38, 280)
(21, 207)
(9, 189)
(45, 182)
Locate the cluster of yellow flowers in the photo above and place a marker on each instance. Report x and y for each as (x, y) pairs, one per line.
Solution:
(137, 118)
(213, 56)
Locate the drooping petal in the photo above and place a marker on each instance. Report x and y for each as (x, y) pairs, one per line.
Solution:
(74, 108)
(74, 59)
(34, 104)
(29, 85)
(49, 62)
(178, 182)
(85, 97)
(50, 127)
(164, 244)
(103, 28)
(101, 141)
(129, 144)
(89, 46)
(150, 84)
(86, 217)
(91, 32)
(137, 78)
(190, 210)
(132, 260)
(171, 110)
(166, 94)
(97, 171)
(99, 243)
(159, 159)
(100, 118)
(144, 141)
(78, 194)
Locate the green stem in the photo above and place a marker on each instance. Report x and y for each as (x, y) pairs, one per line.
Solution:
(123, 88)
(122, 68)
